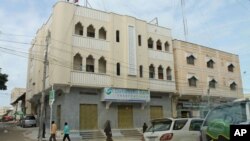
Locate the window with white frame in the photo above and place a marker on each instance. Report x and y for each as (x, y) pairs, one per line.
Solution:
(192, 81)
(102, 65)
(150, 43)
(77, 62)
(160, 72)
(151, 71)
(79, 29)
(91, 31)
(102, 33)
(210, 64)
(190, 60)
(90, 67)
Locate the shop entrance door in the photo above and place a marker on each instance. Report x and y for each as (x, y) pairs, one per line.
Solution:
(88, 116)
(186, 114)
(125, 116)
(156, 112)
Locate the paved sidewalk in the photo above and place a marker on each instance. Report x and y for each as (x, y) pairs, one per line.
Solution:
(32, 133)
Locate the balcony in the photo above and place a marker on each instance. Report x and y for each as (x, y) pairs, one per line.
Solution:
(79, 78)
(91, 43)
(162, 85)
(160, 55)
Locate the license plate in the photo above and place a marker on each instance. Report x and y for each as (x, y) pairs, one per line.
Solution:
(151, 138)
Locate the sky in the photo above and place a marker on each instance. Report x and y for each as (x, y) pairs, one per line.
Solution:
(218, 24)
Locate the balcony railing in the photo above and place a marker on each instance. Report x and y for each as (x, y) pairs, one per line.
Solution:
(91, 43)
(90, 79)
(160, 55)
(162, 85)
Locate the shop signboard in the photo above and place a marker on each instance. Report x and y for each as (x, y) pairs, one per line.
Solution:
(126, 95)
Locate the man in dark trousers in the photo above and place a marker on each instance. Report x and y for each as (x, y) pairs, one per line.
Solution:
(107, 130)
(43, 130)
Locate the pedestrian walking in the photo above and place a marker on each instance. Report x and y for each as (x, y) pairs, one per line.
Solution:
(107, 130)
(66, 131)
(43, 135)
(144, 127)
(53, 131)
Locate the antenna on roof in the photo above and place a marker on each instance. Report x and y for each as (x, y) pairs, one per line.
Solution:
(154, 21)
(87, 4)
(184, 19)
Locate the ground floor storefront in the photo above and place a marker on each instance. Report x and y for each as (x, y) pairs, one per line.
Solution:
(89, 109)
(197, 106)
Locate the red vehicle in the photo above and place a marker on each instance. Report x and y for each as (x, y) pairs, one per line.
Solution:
(7, 118)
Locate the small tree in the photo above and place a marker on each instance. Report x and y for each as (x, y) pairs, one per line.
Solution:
(3, 80)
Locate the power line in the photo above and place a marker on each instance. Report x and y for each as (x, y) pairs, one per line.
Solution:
(184, 83)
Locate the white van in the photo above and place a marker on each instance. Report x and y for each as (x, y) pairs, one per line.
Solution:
(174, 129)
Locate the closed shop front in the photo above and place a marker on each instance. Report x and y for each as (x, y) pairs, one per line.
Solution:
(88, 116)
(125, 116)
(156, 112)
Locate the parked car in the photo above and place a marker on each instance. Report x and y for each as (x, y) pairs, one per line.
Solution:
(174, 129)
(7, 118)
(217, 123)
(27, 121)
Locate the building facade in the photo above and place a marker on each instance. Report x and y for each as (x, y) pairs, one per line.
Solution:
(102, 66)
(17, 92)
(204, 77)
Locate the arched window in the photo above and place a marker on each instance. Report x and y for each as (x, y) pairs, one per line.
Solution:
(192, 81)
(77, 62)
(233, 86)
(102, 65)
(210, 64)
(141, 71)
(117, 35)
(102, 33)
(78, 29)
(169, 73)
(212, 84)
(158, 45)
(230, 68)
(190, 60)
(91, 31)
(160, 72)
(118, 69)
(151, 71)
(90, 61)
(166, 46)
(150, 43)
(139, 40)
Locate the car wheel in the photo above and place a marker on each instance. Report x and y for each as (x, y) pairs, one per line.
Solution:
(221, 138)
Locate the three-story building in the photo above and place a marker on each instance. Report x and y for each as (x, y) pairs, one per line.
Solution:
(204, 77)
(102, 66)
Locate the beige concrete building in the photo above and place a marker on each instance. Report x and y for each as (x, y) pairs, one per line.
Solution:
(204, 75)
(5, 109)
(17, 92)
(103, 66)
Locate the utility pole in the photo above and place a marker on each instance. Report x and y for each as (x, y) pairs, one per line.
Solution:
(42, 114)
(208, 99)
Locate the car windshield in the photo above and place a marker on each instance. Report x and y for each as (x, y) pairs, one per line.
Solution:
(160, 126)
(233, 114)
